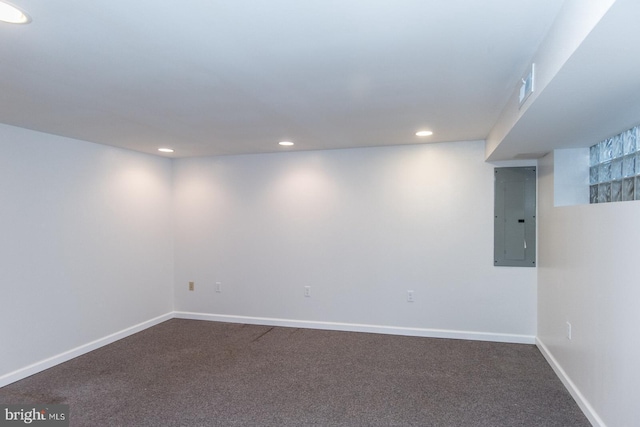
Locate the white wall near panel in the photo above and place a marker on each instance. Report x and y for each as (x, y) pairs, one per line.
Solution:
(361, 227)
(588, 279)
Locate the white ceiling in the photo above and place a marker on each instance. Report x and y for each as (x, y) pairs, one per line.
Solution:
(211, 77)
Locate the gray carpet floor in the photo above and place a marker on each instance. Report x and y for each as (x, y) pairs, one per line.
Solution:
(197, 373)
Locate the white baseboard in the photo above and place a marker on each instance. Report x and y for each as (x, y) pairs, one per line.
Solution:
(355, 327)
(40, 366)
(78, 351)
(582, 402)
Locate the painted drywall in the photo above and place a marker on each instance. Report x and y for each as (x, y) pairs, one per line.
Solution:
(571, 176)
(574, 22)
(361, 227)
(86, 243)
(588, 276)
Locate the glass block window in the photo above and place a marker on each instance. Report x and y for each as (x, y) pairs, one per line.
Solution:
(614, 168)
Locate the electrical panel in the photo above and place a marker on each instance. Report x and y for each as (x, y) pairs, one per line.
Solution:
(515, 217)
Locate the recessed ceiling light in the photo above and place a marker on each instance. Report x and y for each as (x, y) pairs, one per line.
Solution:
(11, 14)
(424, 133)
(285, 143)
(165, 150)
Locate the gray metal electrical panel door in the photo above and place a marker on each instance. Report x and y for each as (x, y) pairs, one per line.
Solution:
(515, 217)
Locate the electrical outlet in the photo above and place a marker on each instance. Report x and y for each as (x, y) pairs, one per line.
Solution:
(410, 296)
(191, 286)
(307, 291)
(569, 331)
(218, 287)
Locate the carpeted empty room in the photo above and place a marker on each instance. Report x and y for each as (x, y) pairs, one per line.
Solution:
(201, 373)
(319, 213)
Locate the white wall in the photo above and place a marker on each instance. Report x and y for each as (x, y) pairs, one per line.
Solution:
(588, 275)
(88, 251)
(571, 176)
(361, 227)
(86, 243)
